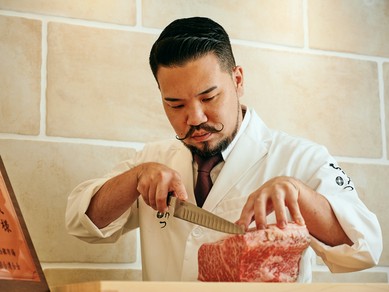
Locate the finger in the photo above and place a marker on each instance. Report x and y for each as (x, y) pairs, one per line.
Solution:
(151, 197)
(143, 190)
(179, 191)
(247, 214)
(161, 194)
(293, 206)
(260, 211)
(295, 213)
(278, 201)
(178, 188)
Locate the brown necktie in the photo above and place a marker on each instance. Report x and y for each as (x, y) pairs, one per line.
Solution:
(204, 182)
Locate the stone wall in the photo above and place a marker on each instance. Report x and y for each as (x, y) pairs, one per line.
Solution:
(77, 96)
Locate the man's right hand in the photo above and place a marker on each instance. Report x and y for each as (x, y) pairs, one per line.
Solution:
(155, 181)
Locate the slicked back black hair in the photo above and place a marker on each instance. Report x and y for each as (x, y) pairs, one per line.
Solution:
(188, 39)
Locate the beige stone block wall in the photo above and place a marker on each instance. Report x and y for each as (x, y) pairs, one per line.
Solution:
(123, 93)
(276, 21)
(325, 98)
(20, 73)
(42, 174)
(114, 11)
(77, 96)
(360, 27)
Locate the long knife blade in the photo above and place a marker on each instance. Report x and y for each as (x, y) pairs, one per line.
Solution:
(194, 214)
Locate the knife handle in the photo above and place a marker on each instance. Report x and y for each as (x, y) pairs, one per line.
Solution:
(169, 196)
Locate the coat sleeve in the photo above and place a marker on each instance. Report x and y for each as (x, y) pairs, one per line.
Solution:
(358, 222)
(78, 223)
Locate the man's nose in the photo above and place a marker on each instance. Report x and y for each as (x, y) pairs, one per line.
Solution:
(196, 115)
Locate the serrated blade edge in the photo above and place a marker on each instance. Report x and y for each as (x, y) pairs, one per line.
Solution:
(194, 214)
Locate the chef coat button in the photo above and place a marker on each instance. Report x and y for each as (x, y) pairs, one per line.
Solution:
(197, 232)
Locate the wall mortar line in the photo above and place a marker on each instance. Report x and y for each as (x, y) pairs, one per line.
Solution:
(43, 101)
(381, 93)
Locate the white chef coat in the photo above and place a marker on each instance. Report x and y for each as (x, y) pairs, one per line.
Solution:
(169, 245)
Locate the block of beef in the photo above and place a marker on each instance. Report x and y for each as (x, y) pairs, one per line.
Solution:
(269, 255)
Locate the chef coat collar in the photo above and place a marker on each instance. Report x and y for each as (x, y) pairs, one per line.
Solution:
(245, 122)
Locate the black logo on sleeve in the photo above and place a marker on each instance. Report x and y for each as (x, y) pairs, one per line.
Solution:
(339, 181)
(163, 218)
(342, 180)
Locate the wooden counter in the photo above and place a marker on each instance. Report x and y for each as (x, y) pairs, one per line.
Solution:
(108, 286)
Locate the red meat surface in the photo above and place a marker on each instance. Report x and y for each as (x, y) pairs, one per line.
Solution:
(269, 255)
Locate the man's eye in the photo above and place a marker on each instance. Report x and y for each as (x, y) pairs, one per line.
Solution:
(177, 106)
(208, 99)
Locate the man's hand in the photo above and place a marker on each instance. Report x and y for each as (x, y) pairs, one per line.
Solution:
(306, 206)
(155, 181)
(275, 195)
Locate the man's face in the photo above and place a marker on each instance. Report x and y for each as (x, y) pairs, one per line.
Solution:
(200, 94)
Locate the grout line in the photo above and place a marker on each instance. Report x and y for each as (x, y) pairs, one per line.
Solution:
(361, 160)
(156, 31)
(139, 145)
(42, 131)
(81, 22)
(83, 141)
(381, 92)
(139, 13)
(309, 51)
(305, 24)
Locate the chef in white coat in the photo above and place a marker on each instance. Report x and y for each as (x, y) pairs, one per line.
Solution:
(265, 177)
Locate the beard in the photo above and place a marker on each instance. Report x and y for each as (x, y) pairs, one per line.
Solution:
(207, 150)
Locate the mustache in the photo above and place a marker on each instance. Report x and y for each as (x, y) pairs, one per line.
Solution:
(203, 126)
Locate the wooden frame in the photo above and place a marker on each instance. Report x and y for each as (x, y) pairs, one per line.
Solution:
(20, 269)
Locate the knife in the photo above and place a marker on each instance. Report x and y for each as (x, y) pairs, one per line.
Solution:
(194, 214)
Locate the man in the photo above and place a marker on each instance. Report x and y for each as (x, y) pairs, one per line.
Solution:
(265, 176)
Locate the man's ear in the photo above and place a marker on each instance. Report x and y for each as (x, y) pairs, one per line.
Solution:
(238, 80)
